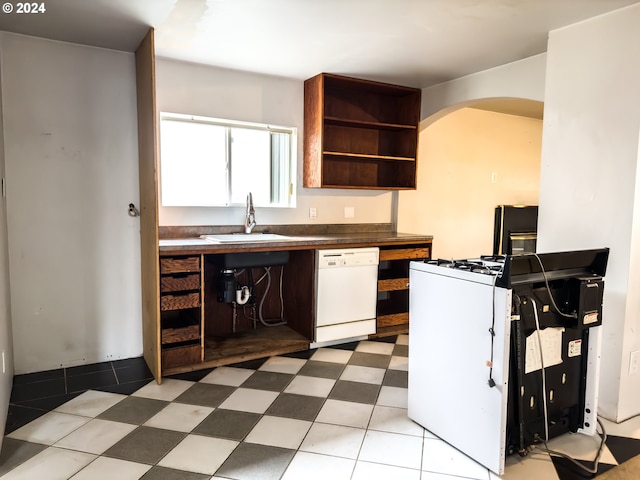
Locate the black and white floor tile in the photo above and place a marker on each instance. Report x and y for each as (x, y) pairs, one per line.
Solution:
(337, 412)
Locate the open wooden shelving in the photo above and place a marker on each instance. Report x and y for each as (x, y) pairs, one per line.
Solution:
(181, 310)
(360, 134)
(393, 287)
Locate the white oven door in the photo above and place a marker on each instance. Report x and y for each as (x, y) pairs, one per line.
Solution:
(449, 347)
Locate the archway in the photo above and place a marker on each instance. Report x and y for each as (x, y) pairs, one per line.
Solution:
(472, 156)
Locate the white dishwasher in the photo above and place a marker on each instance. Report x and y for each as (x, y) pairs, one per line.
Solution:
(346, 293)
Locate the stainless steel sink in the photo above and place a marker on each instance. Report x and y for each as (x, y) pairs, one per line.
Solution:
(246, 237)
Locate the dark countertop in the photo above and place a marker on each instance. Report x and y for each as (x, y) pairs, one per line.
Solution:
(297, 241)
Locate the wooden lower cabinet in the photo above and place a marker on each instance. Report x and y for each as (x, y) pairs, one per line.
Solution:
(180, 356)
(393, 286)
(198, 329)
(181, 311)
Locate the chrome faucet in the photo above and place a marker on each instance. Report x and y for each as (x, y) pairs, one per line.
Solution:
(250, 216)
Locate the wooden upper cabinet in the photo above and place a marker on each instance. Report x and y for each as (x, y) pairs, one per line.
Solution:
(360, 134)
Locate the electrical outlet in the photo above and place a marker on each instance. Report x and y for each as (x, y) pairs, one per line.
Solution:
(349, 212)
(313, 212)
(634, 362)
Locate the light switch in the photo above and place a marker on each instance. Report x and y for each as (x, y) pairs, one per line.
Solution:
(349, 212)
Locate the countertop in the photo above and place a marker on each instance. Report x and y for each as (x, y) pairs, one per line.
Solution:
(192, 244)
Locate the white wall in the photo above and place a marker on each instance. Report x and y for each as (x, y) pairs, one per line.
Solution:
(470, 161)
(589, 177)
(71, 154)
(521, 79)
(6, 343)
(215, 92)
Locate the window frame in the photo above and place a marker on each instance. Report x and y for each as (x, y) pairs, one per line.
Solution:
(286, 171)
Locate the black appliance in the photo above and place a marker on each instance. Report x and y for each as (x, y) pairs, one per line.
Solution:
(561, 292)
(515, 229)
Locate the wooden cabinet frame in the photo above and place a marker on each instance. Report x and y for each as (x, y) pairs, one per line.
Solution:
(393, 286)
(360, 134)
(148, 166)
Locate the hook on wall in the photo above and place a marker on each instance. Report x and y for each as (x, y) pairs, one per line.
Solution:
(133, 211)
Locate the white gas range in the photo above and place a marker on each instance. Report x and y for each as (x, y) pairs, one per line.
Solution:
(485, 334)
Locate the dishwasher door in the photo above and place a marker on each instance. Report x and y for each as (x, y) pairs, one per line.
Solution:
(347, 291)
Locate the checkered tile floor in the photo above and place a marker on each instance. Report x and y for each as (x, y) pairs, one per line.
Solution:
(336, 413)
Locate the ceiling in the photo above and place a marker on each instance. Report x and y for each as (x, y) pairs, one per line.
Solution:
(411, 42)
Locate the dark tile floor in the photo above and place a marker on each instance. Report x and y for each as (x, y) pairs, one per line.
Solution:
(336, 412)
(35, 394)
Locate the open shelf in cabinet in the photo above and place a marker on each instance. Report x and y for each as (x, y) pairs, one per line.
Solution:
(370, 141)
(363, 100)
(345, 122)
(360, 134)
(357, 171)
(392, 310)
(180, 326)
(181, 304)
(393, 307)
(178, 355)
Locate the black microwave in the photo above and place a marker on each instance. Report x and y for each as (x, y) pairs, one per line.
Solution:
(515, 229)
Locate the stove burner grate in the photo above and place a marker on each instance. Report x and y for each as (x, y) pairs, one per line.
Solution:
(493, 258)
(474, 266)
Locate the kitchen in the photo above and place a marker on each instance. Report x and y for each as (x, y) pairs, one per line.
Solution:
(104, 306)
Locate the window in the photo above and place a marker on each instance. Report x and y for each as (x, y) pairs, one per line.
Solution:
(213, 162)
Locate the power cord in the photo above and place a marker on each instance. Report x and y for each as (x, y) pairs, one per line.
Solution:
(261, 319)
(546, 282)
(595, 461)
(491, 382)
(544, 373)
(492, 331)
